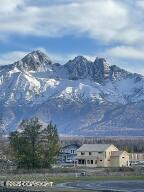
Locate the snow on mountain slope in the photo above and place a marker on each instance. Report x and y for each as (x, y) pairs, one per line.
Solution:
(95, 91)
(131, 89)
(35, 61)
(36, 75)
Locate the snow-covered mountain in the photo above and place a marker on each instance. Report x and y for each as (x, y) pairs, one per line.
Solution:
(82, 97)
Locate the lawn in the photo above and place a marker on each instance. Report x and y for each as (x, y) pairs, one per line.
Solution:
(63, 179)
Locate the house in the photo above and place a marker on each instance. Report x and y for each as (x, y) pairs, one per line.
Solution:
(101, 155)
(119, 159)
(68, 153)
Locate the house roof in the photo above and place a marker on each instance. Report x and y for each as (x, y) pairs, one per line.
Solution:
(71, 145)
(94, 147)
(117, 153)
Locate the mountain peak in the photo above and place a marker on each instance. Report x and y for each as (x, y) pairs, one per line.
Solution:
(39, 54)
(78, 67)
(101, 62)
(34, 61)
(80, 58)
(81, 68)
(100, 59)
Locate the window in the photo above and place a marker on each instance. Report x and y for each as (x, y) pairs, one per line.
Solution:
(88, 161)
(91, 161)
(81, 162)
(72, 151)
(100, 152)
(101, 160)
(105, 155)
(90, 153)
(123, 157)
(82, 153)
(95, 161)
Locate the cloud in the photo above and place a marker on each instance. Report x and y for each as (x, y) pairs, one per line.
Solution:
(129, 58)
(133, 66)
(7, 6)
(140, 4)
(102, 20)
(118, 24)
(126, 52)
(11, 57)
(62, 58)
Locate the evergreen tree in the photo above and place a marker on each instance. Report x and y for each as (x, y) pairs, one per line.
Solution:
(25, 144)
(50, 143)
(34, 146)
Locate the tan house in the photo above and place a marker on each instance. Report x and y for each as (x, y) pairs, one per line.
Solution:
(119, 159)
(101, 155)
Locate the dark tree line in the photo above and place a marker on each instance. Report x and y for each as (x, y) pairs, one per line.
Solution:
(34, 146)
(131, 144)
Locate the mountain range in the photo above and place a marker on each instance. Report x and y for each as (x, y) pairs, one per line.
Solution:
(81, 97)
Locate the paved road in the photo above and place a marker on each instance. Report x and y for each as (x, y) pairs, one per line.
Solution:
(126, 186)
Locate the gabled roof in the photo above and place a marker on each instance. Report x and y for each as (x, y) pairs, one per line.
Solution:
(118, 153)
(94, 147)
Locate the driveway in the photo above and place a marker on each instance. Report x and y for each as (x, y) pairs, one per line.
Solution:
(126, 186)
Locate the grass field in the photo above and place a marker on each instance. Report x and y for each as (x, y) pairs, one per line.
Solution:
(63, 179)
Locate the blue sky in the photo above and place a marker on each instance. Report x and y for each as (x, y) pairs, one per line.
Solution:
(113, 29)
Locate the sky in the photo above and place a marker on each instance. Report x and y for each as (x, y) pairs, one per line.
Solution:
(113, 29)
